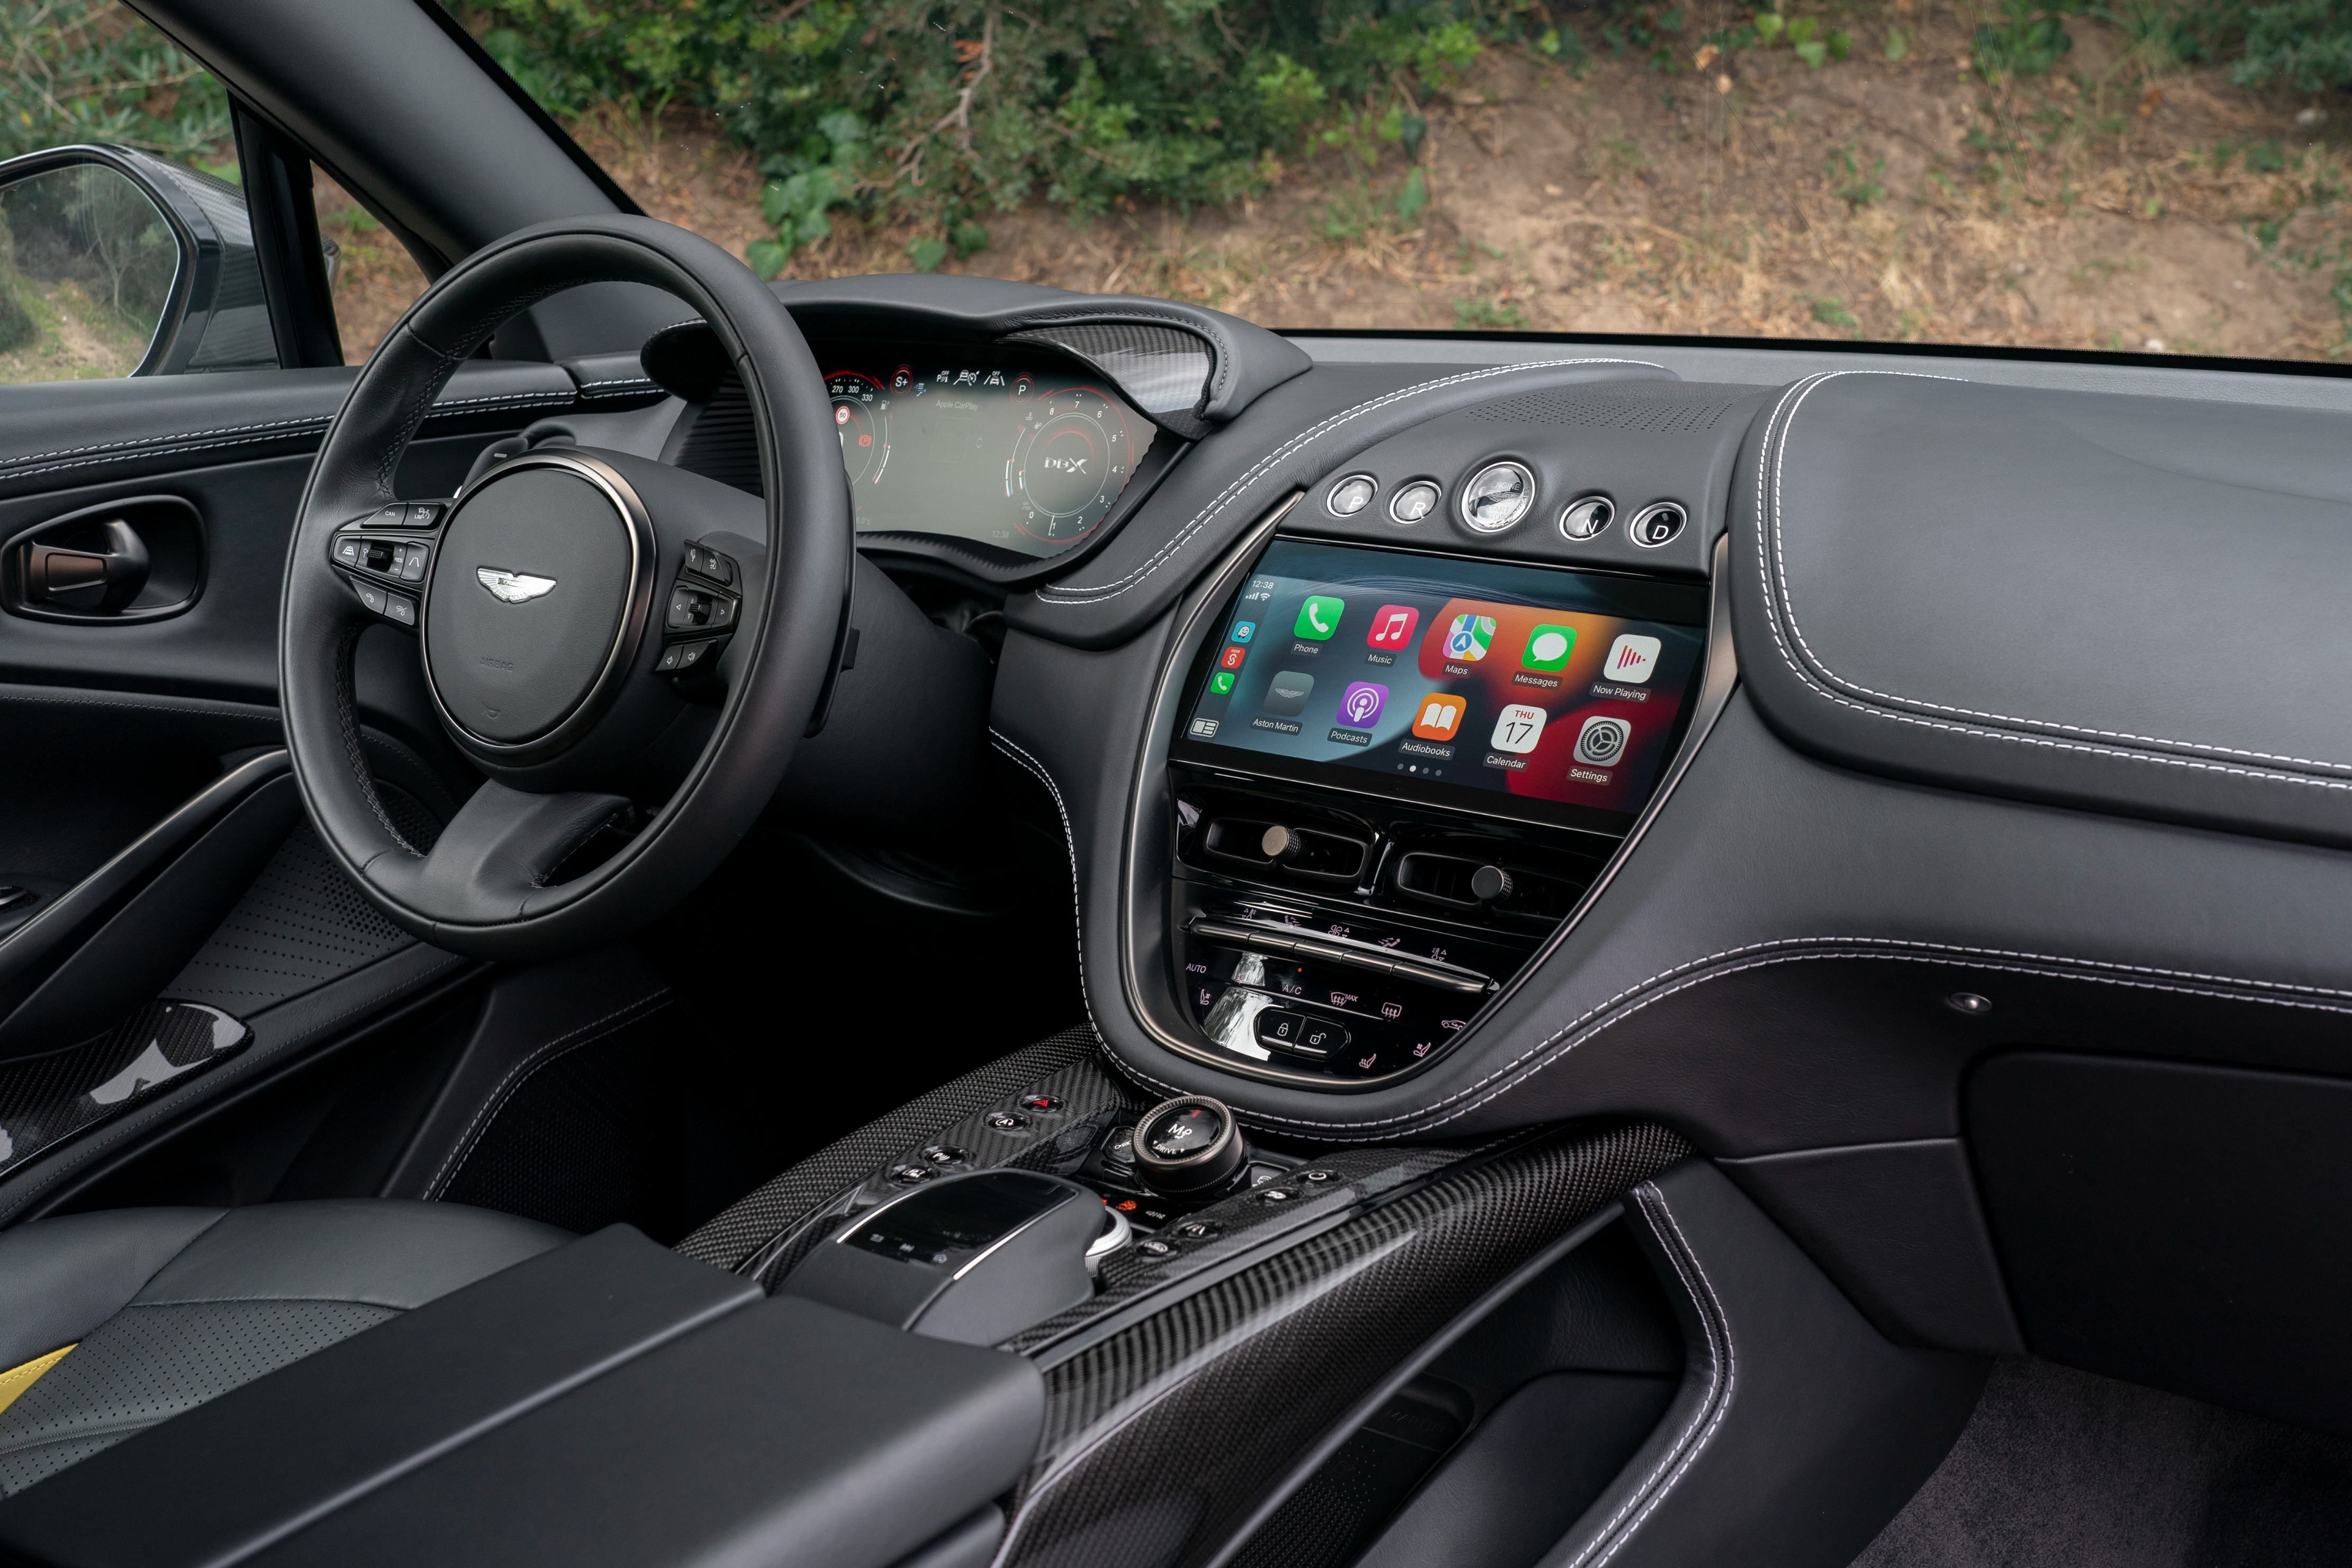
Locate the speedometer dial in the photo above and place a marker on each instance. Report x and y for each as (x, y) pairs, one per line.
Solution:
(1069, 463)
(861, 418)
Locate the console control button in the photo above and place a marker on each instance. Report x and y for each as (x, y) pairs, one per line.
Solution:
(1043, 1105)
(1191, 1143)
(1153, 1247)
(912, 1176)
(1194, 1230)
(943, 1155)
(1007, 1121)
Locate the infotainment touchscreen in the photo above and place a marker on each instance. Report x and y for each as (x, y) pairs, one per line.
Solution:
(1551, 693)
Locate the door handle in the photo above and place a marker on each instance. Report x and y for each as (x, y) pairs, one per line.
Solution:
(97, 581)
(138, 559)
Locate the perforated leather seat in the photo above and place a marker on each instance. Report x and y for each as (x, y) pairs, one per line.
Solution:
(112, 1321)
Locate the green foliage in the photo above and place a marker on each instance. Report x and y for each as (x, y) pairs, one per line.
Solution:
(89, 71)
(1848, 182)
(1487, 315)
(1831, 312)
(2028, 39)
(2304, 45)
(938, 110)
(1802, 35)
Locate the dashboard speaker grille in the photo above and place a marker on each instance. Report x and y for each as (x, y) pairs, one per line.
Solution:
(1661, 416)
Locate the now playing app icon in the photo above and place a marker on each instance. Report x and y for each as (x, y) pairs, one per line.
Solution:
(1630, 658)
(1361, 704)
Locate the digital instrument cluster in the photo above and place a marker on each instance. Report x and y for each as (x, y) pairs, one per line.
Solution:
(1025, 459)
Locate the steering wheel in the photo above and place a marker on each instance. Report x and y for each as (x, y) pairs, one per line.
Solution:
(551, 596)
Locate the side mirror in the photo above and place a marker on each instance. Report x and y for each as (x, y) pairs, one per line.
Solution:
(113, 263)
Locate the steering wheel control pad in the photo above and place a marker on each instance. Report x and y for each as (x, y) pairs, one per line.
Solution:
(545, 572)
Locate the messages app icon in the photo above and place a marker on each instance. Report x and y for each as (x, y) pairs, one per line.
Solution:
(1319, 618)
(1548, 647)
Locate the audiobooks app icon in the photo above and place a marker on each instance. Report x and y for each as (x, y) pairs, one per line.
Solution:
(1440, 716)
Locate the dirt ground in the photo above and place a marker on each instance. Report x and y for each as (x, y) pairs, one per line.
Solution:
(2112, 204)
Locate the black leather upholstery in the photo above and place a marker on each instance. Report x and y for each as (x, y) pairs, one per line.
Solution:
(168, 1307)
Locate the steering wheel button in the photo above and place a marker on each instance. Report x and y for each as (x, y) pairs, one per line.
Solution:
(669, 660)
(412, 563)
(393, 516)
(399, 610)
(722, 611)
(348, 550)
(423, 513)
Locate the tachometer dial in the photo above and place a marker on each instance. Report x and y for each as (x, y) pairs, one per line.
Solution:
(861, 418)
(1070, 464)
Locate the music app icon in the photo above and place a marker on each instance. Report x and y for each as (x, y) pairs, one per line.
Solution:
(1392, 626)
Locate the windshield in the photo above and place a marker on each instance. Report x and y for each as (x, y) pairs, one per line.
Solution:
(2163, 176)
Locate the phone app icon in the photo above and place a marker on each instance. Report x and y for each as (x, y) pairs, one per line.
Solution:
(1441, 716)
(1244, 630)
(1319, 618)
(1630, 658)
(1602, 741)
(1361, 704)
(1392, 626)
(1469, 637)
(1287, 692)
(1231, 659)
(1221, 682)
(1518, 728)
(1548, 647)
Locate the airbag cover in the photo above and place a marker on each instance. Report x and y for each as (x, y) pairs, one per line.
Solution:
(2128, 603)
(527, 602)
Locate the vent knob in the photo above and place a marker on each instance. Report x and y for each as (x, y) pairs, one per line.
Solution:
(1491, 882)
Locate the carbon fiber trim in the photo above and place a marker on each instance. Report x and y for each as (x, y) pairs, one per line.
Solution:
(1245, 1223)
(755, 1228)
(47, 1099)
(1161, 1439)
(1163, 370)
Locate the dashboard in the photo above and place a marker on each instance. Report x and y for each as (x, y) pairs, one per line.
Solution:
(1029, 457)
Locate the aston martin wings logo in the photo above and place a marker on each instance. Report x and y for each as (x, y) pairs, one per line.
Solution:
(513, 587)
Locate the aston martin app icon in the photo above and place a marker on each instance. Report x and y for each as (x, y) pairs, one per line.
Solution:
(1286, 693)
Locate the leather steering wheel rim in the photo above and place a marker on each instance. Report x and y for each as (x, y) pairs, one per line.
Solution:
(483, 889)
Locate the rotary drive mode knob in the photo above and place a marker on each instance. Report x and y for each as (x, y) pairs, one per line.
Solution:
(1188, 1144)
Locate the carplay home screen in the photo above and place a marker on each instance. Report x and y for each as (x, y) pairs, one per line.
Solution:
(1549, 685)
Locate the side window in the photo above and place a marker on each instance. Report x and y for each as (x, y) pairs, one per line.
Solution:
(373, 279)
(125, 246)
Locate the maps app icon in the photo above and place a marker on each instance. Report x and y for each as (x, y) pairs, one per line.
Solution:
(1468, 638)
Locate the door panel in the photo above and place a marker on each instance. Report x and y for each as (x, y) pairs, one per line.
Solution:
(109, 727)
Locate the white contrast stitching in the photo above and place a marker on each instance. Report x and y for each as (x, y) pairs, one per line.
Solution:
(1779, 602)
(489, 1111)
(1258, 470)
(1883, 949)
(277, 430)
(1711, 1410)
(1010, 747)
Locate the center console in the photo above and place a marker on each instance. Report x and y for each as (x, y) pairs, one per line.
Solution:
(1393, 774)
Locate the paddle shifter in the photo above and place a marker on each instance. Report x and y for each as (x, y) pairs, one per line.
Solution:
(1188, 1145)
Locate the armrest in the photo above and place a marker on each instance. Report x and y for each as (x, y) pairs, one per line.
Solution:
(608, 1402)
